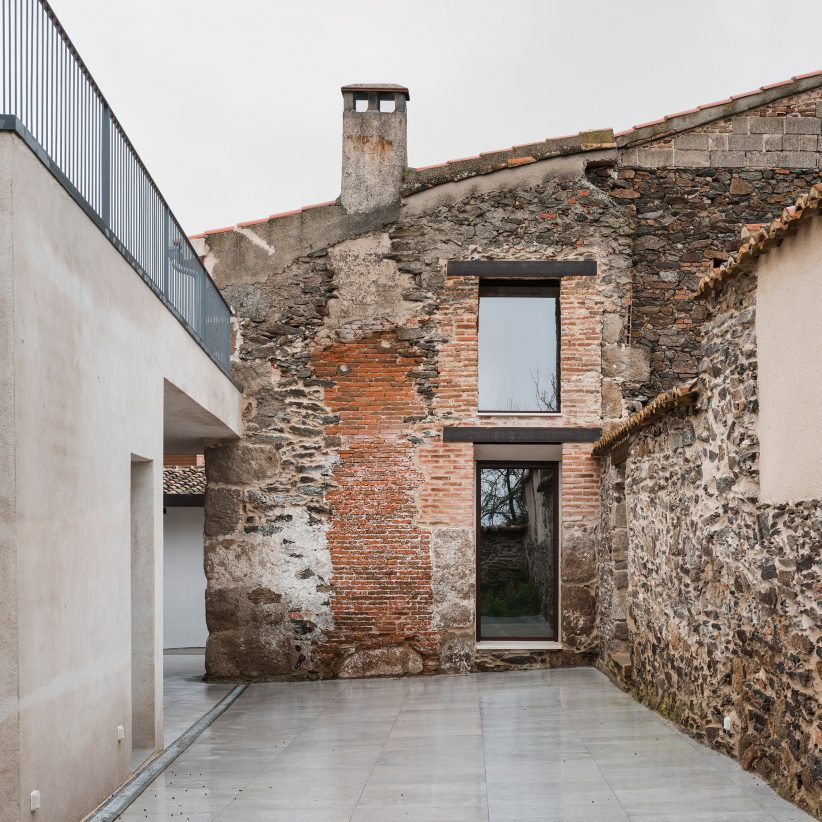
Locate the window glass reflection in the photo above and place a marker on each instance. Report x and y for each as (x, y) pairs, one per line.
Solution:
(517, 591)
(518, 354)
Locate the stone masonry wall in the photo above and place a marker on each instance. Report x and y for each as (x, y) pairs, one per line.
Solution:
(723, 591)
(347, 547)
(612, 561)
(689, 193)
(355, 350)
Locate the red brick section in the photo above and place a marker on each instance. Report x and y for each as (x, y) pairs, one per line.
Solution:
(447, 498)
(580, 365)
(455, 402)
(580, 513)
(391, 493)
(381, 577)
(580, 485)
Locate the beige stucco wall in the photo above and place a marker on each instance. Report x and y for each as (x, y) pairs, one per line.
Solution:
(92, 350)
(789, 348)
(9, 720)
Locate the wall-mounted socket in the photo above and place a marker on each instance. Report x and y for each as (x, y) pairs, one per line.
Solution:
(121, 733)
(35, 800)
(728, 723)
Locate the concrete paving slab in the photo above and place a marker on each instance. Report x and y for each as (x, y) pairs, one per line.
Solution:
(547, 746)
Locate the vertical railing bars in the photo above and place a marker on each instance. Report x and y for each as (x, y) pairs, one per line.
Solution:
(48, 90)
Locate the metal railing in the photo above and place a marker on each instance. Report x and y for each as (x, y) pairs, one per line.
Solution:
(49, 96)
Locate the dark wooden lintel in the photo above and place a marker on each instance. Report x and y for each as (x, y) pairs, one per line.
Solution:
(519, 434)
(521, 268)
(183, 500)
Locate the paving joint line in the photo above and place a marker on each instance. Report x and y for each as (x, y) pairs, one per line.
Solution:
(122, 798)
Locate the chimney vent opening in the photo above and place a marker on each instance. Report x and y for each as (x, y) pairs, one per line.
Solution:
(360, 102)
(388, 103)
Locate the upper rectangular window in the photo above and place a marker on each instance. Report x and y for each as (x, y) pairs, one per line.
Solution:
(518, 347)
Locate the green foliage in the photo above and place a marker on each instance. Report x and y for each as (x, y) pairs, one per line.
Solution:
(510, 599)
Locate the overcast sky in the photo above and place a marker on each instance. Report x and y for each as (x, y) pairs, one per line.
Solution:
(235, 105)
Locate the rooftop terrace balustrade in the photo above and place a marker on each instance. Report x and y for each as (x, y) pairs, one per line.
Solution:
(51, 101)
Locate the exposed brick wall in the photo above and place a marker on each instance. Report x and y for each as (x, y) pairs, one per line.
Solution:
(580, 351)
(579, 512)
(382, 572)
(447, 496)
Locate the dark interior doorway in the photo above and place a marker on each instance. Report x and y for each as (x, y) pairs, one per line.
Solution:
(517, 551)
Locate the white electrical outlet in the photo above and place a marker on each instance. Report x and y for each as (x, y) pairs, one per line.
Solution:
(35, 800)
(728, 724)
(121, 733)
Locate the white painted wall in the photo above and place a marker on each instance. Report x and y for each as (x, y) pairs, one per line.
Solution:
(87, 353)
(789, 344)
(184, 582)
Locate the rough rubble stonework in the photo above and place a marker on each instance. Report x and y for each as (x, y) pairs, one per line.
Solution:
(724, 614)
(689, 194)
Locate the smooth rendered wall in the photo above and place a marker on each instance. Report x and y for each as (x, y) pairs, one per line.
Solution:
(789, 342)
(9, 715)
(93, 348)
(184, 582)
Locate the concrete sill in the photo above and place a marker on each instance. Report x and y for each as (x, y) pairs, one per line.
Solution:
(525, 645)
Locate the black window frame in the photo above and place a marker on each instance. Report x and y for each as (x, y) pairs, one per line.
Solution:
(479, 465)
(532, 287)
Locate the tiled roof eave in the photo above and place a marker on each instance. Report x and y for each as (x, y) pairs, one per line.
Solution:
(184, 480)
(762, 239)
(662, 404)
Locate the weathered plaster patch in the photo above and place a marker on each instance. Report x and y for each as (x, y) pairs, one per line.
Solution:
(368, 287)
(256, 239)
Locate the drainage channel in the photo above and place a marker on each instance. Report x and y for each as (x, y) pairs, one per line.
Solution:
(119, 801)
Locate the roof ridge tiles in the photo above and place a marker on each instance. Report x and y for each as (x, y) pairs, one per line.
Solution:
(719, 109)
(277, 216)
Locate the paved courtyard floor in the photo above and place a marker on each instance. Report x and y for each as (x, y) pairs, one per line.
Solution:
(185, 696)
(553, 746)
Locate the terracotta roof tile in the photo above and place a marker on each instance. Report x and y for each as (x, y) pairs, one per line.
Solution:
(661, 404)
(188, 480)
(262, 219)
(760, 239)
(745, 94)
(680, 113)
(720, 109)
(419, 179)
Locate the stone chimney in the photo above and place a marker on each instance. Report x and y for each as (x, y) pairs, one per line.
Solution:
(375, 146)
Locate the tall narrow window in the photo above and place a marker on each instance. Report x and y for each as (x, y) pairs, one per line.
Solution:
(517, 551)
(518, 347)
